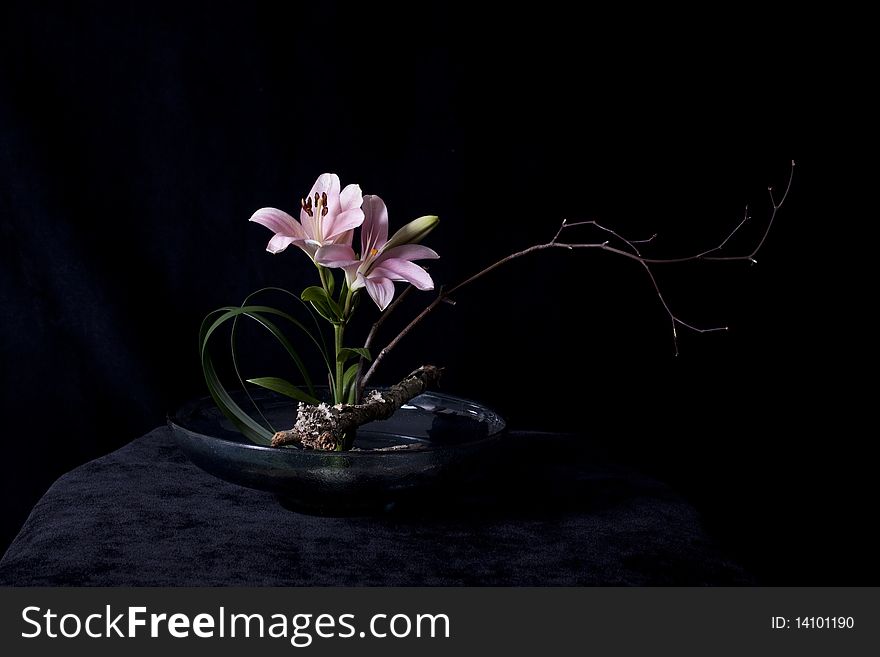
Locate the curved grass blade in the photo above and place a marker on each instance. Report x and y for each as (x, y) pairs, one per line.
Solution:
(283, 387)
(242, 421)
(322, 348)
(247, 425)
(256, 313)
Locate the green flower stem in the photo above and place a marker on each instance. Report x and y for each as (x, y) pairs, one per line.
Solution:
(346, 310)
(338, 333)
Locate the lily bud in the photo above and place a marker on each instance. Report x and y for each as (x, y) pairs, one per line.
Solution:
(415, 231)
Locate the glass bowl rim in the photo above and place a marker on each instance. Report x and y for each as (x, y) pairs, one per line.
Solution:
(174, 423)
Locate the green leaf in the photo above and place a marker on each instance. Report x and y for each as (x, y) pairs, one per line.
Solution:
(283, 387)
(331, 282)
(323, 304)
(349, 352)
(348, 380)
(343, 290)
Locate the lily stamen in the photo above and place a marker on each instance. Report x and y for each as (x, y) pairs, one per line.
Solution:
(307, 206)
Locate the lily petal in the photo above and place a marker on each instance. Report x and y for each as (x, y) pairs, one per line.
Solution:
(308, 223)
(336, 255)
(358, 282)
(407, 252)
(403, 270)
(343, 222)
(345, 238)
(353, 279)
(310, 247)
(279, 222)
(381, 290)
(374, 232)
(327, 183)
(278, 243)
(350, 197)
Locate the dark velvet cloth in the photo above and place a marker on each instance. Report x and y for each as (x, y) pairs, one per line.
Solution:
(551, 511)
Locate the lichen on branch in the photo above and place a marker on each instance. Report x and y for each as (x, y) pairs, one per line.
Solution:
(329, 428)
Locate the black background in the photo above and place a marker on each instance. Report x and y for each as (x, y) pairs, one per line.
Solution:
(137, 138)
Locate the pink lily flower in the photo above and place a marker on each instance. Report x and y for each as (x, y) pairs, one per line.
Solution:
(327, 216)
(382, 261)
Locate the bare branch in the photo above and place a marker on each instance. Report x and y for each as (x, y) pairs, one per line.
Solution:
(672, 317)
(330, 428)
(596, 224)
(632, 253)
(776, 206)
(359, 385)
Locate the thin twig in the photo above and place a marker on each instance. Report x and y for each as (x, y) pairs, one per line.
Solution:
(631, 244)
(776, 206)
(632, 254)
(596, 224)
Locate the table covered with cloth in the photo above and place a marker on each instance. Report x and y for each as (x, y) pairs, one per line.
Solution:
(550, 510)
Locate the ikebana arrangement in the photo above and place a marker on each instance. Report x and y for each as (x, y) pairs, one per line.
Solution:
(329, 217)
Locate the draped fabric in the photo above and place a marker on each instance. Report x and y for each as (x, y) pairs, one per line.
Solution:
(145, 516)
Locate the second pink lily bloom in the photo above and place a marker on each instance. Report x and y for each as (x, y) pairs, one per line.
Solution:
(382, 261)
